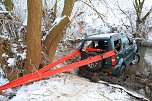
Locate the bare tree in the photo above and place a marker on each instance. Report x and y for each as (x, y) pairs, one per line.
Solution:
(140, 20)
(138, 26)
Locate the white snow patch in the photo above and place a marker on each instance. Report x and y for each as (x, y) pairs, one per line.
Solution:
(57, 20)
(4, 55)
(55, 23)
(2, 8)
(11, 62)
(69, 88)
(2, 82)
(23, 55)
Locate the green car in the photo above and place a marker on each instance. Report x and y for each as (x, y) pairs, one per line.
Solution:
(125, 48)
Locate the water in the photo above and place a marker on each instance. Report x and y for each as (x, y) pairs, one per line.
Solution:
(148, 56)
(145, 64)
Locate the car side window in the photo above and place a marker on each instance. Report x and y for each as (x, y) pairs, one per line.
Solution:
(126, 42)
(117, 45)
(88, 44)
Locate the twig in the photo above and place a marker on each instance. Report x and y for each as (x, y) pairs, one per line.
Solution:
(98, 13)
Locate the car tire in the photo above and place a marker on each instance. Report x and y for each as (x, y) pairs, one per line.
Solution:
(92, 67)
(136, 59)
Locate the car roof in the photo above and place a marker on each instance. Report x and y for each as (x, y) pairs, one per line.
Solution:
(103, 36)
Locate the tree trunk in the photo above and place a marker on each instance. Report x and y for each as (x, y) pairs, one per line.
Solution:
(33, 36)
(56, 33)
(68, 6)
(54, 37)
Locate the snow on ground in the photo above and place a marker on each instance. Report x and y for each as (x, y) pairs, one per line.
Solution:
(2, 82)
(69, 88)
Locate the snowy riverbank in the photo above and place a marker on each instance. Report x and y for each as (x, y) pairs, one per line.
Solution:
(69, 87)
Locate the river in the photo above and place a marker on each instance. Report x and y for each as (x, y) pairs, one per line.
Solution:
(145, 64)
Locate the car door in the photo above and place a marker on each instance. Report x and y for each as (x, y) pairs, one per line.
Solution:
(127, 50)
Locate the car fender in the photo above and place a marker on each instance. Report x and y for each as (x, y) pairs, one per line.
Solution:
(117, 68)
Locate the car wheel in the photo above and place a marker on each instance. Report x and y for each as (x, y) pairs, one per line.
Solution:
(136, 59)
(95, 66)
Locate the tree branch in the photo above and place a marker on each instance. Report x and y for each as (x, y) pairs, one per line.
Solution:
(127, 18)
(94, 9)
(147, 14)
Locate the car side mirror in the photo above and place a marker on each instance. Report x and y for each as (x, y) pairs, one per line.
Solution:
(131, 42)
(123, 45)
